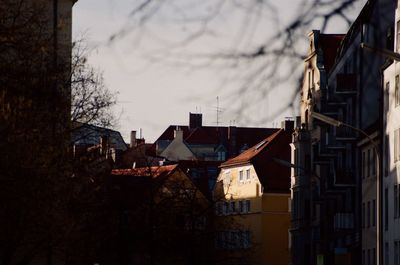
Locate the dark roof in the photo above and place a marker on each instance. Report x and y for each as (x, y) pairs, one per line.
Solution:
(355, 28)
(212, 135)
(329, 43)
(202, 181)
(87, 134)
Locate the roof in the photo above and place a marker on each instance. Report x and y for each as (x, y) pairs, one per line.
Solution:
(329, 43)
(213, 135)
(252, 152)
(355, 28)
(273, 176)
(154, 172)
(206, 180)
(87, 134)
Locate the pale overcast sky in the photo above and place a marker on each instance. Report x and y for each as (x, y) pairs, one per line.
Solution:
(153, 96)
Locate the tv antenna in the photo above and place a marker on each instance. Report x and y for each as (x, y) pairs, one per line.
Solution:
(219, 110)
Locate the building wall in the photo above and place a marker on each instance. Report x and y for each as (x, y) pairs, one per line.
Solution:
(391, 165)
(368, 200)
(275, 228)
(177, 149)
(268, 218)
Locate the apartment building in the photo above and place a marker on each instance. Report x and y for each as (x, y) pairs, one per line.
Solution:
(331, 158)
(391, 154)
(252, 195)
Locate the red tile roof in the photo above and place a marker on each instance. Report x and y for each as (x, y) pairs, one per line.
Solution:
(231, 137)
(273, 176)
(155, 172)
(252, 152)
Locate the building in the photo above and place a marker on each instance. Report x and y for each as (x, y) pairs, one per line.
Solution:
(165, 217)
(216, 143)
(86, 137)
(330, 158)
(305, 227)
(391, 154)
(211, 144)
(252, 204)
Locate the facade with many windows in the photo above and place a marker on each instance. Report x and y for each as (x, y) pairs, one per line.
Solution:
(391, 155)
(252, 194)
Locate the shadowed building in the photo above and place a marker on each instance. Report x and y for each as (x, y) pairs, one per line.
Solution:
(329, 184)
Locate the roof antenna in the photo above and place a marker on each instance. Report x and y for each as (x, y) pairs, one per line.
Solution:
(219, 110)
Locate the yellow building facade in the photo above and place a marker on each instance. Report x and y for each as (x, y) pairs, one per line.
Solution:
(253, 218)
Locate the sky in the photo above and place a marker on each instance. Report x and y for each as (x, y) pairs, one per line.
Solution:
(153, 95)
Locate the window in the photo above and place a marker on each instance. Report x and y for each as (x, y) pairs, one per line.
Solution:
(386, 261)
(387, 156)
(397, 145)
(398, 201)
(241, 207)
(233, 239)
(386, 97)
(397, 252)
(219, 208)
(363, 215)
(226, 208)
(312, 78)
(373, 256)
(247, 206)
(373, 212)
(369, 214)
(396, 91)
(373, 165)
(364, 164)
(241, 175)
(247, 239)
(386, 209)
(248, 174)
(369, 257)
(398, 36)
(232, 207)
(395, 200)
(368, 162)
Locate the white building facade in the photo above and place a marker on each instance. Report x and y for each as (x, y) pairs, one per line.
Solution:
(391, 156)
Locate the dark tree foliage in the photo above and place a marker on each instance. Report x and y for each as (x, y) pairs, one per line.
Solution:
(37, 183)
(92, 101)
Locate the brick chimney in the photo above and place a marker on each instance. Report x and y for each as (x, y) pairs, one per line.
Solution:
(195, 120)
(133, 139)
(288, 125)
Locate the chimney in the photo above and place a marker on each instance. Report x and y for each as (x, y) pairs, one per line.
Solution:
(195, 120)
(298, 122)
(288, 125)
(232, 133)
(103, 144)
(133, 139)
(178, 134)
